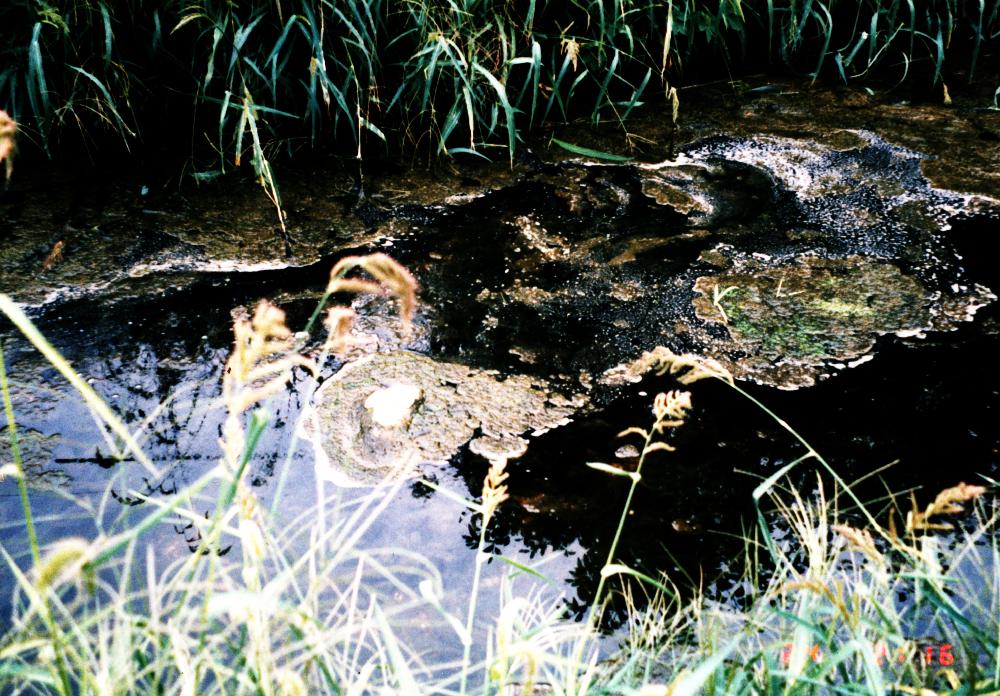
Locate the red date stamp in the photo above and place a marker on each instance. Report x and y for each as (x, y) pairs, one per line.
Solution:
(939, 654)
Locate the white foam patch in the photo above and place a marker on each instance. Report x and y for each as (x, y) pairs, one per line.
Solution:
(213, 266)
(460, 198)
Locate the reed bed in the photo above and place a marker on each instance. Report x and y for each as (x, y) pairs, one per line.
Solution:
(259, 79)
(847, 597)
(464, 76)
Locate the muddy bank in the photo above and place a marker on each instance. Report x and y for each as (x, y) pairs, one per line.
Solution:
(959, 144)
(564, 267)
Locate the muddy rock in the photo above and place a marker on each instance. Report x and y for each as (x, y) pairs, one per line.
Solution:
(435, 408)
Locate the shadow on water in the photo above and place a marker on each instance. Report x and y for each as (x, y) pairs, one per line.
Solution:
(562, 275)
(927, 409)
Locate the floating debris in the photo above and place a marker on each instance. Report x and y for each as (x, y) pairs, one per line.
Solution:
(788, 324)
(383, 415)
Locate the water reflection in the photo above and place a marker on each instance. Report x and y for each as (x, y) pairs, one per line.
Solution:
(561, 276)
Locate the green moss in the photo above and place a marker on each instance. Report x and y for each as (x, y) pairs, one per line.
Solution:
(795, 336)
(787, 321)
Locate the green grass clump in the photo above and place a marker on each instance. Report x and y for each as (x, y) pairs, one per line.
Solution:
(255, 78)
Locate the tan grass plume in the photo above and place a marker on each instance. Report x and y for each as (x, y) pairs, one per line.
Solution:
(494, 487)
(948, 502)
(8, 129)
(389, 277)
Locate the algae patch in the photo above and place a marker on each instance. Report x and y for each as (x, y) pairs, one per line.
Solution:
(786, 324)
(446, 405)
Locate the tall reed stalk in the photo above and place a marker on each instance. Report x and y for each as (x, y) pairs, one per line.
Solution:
(462, 77)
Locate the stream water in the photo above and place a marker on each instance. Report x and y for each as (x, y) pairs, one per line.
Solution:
(841, 286)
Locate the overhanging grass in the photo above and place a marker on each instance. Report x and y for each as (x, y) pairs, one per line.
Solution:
(843, 604)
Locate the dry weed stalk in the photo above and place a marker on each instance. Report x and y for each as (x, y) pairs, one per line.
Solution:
(689, 368)
(686, 368)
(836, 593)
(339, 321)
(860, 540)
(260, 365)
(571, 49)
(809, 522)
(8, 129)
(494, 487)
(947, 502)
(390, 277)
(670, 409)
(383, 269)
(262, 359)
(494, 493)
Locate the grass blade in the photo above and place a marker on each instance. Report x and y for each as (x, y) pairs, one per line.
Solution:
(588, 152)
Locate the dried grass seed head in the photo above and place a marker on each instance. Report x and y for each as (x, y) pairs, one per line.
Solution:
(8, 130)
(672, 407)
(339, 321)
(859, 539)
(948, 502)
(686, 368)
(257, 339)
(690, 368)
(387, 272)
(262, 358)
(494, 486)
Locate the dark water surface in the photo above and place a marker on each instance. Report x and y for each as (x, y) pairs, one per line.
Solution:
(561, 273)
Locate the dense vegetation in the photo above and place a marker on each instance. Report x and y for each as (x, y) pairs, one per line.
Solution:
(229, 77)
